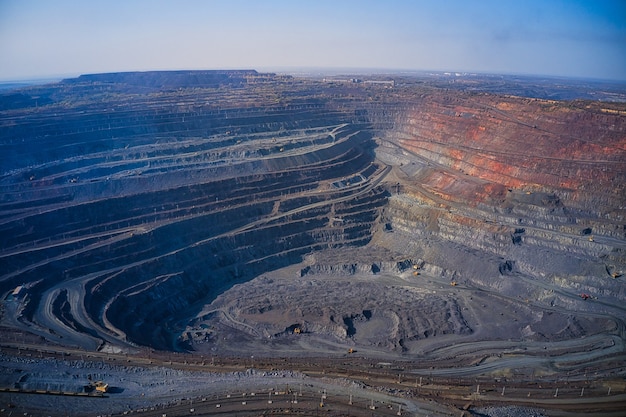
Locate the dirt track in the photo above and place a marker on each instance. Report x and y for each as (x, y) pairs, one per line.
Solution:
(141, 382)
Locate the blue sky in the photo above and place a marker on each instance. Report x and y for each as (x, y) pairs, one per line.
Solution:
(545, 37)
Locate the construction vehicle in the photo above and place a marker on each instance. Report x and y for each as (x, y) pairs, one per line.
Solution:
(585, 296)
(350, 350)
(453, 283)
(100, 386)
(297, 330)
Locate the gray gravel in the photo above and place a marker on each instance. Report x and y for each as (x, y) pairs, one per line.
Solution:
(131, 387)
(509, 411)
(136, 388)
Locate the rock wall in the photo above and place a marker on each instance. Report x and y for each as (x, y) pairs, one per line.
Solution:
(494, 188)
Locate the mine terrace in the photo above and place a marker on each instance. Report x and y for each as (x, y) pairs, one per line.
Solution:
(417, 245)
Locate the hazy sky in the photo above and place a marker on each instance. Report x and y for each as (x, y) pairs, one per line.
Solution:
(548, 37)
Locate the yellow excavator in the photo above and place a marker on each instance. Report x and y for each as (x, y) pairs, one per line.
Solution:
(99, 386)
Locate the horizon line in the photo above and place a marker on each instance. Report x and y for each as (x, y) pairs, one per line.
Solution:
(288, 70)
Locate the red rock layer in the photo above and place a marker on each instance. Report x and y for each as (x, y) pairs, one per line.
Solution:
(576, 147)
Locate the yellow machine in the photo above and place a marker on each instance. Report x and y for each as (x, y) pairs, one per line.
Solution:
(101, 386)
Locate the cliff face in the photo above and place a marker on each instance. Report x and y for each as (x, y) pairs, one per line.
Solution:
(491, 187)
(575, 148)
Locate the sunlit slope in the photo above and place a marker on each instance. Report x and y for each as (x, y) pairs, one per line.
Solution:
(512, 193)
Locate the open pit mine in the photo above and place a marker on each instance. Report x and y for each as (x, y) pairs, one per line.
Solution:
(462, 246)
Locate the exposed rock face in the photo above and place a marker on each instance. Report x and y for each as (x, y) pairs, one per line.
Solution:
(537, 185)
(134, 214)
(571, 152)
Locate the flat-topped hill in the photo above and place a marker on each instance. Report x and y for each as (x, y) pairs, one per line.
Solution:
(166, 80)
